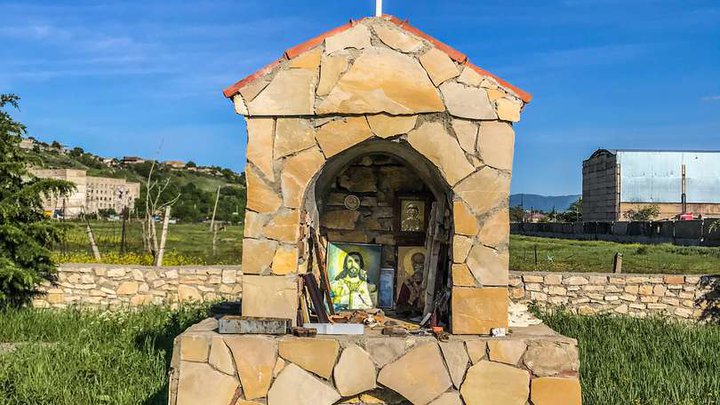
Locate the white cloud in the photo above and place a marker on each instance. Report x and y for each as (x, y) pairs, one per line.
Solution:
(710, 99)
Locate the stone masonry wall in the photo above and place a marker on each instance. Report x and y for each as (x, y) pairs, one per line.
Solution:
(533, 364)
(103, 285)
(682, 296)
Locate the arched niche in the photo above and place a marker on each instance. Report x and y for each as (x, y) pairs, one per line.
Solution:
(383, 174)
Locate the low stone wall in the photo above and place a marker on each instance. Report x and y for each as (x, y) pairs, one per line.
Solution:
(683, 296)
(103, 285)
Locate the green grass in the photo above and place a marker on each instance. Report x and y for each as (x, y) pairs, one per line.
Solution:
(73, 357)
(644, 361)
(597, 256)
(186, 244)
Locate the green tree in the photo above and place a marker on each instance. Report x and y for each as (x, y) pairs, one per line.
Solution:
(573, 213)
(647, 213)
(25, 232)
(517, 214)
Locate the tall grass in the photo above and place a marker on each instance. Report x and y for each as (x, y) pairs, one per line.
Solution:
(75, 357)
(644, 361)
(186, 244)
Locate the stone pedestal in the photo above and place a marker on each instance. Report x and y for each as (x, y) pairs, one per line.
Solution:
(531, 364)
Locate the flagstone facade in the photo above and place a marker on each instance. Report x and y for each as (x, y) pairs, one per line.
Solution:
(378, 86)
(535, 365)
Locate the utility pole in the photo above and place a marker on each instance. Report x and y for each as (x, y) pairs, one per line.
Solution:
(217, 197)
(378, 8)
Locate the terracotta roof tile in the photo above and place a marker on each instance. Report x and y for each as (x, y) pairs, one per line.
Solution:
(453, 53)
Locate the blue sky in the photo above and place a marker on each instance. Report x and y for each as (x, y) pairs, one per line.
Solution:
(145, 77)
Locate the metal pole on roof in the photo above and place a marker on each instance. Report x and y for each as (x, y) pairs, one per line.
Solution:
(378, 8)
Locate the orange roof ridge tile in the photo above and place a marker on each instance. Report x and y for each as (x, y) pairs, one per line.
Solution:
(453, 53)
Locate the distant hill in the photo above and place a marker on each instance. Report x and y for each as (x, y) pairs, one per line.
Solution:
(196, 185)
(542, 202)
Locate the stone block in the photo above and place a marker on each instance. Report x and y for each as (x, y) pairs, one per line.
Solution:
(464, 220)
(674, 280)
(547, 358)
(553, 391)
(340, 219)
(462, 277)
(457, 360)
(448, 398)
(220, 356)
(291, 136)
(508, 110)
(494, 383)
(507, 351)
(488, 266)
(357, 37)
(127, 288)
(296, 386)
(478, 310)
(467, 102)
(270, 296)
(285, 260)
(466, 132)
(433, 141)
(312, 354)
(484, 189)
(575, 280)
(496, 143)
(553, 279)
(261, 132)
(461, 247)
(188, 293)
(257, 255)
(339, 135)
(354, 372)
(297, 173)
(331, 67)
(254, 361)
(382, 80)
(419, 376)
(470, 77)
(386, 126)
(260, 196)
(308, 60)
(291, 92)
(439, 66)
(384, 350)
(193, 387)
(495, 229)
(397, 39)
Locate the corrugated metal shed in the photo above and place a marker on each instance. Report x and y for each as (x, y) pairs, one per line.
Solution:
(656, 176)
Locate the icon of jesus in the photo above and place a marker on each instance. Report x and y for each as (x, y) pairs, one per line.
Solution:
(350, 287)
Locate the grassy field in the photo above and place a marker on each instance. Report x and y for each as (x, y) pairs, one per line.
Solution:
(71, 357)
(186, 244)
(644, 361)
(192, 244)
(597, 256)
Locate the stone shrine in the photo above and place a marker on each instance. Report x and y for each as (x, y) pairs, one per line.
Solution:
(341, 129)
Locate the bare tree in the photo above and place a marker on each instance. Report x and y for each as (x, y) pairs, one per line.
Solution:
(155, 190)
